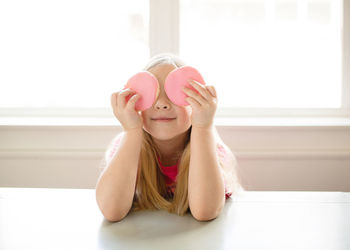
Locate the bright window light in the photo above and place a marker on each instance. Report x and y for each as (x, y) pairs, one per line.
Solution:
(69, 53)
(266, 54)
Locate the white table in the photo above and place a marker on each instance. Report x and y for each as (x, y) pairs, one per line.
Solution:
(38, 218)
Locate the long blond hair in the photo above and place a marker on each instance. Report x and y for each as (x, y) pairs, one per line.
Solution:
(151, 192)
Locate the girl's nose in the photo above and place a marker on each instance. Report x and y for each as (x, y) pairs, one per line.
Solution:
(162, 106)
(162, 102)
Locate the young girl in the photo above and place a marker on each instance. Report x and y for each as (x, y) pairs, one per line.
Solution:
(180, 165)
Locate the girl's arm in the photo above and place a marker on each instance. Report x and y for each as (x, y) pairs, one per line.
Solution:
(206, 190)
(115, 187)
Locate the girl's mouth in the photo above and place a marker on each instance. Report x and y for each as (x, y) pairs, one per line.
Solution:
(164, 119)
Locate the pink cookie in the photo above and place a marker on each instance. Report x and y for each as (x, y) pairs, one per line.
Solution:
(178, 78)
(146, 85)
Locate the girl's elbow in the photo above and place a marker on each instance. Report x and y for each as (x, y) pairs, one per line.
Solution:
(114, 218)
(201, 214)
(204, 216)
(112, 215)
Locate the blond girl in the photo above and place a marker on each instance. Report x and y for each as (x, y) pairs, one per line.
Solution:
(167, 157)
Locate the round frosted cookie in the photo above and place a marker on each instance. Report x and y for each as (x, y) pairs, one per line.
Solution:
(146, 85)
(178, 78)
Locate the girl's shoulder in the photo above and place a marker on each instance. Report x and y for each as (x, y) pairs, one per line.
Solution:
(113, 146)
(228, 159)
(228, 164)
(116, 140)
(223, 150)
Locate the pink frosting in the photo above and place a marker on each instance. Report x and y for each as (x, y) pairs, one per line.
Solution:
(178, 78)
(146, 85)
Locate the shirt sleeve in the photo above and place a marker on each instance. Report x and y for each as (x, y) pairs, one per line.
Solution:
(113, 146)
(226, 169)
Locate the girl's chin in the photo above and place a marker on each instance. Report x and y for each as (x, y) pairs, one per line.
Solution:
(155, 131)
(165, 129)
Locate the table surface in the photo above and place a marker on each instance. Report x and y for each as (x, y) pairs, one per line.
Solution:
(40, 218)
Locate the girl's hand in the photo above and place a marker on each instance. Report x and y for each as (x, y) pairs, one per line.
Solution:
(128, 117)
(203, 104)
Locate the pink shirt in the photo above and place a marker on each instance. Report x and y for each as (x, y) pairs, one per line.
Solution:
(170, 172)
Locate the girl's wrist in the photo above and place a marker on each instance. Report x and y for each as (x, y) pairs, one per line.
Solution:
(204, 128)
(133, 131)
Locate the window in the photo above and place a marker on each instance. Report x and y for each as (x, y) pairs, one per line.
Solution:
(260, 54)
(266, 54)
(69, 53)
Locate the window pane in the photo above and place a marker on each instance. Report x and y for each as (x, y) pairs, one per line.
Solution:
(69, 53)
(270, 54)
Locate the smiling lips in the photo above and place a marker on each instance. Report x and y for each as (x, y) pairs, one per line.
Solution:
(163, 119)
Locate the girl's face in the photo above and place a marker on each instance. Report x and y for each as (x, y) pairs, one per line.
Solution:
(163, 107)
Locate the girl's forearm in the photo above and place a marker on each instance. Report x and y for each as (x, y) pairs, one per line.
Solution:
(206, 190)
(115, 187)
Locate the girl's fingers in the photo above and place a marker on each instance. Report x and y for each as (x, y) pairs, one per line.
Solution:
(201, 89)
(132, 101)
(122, 95)
(193, 102)
(114, 99)
(195, 96)
(212, 90)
